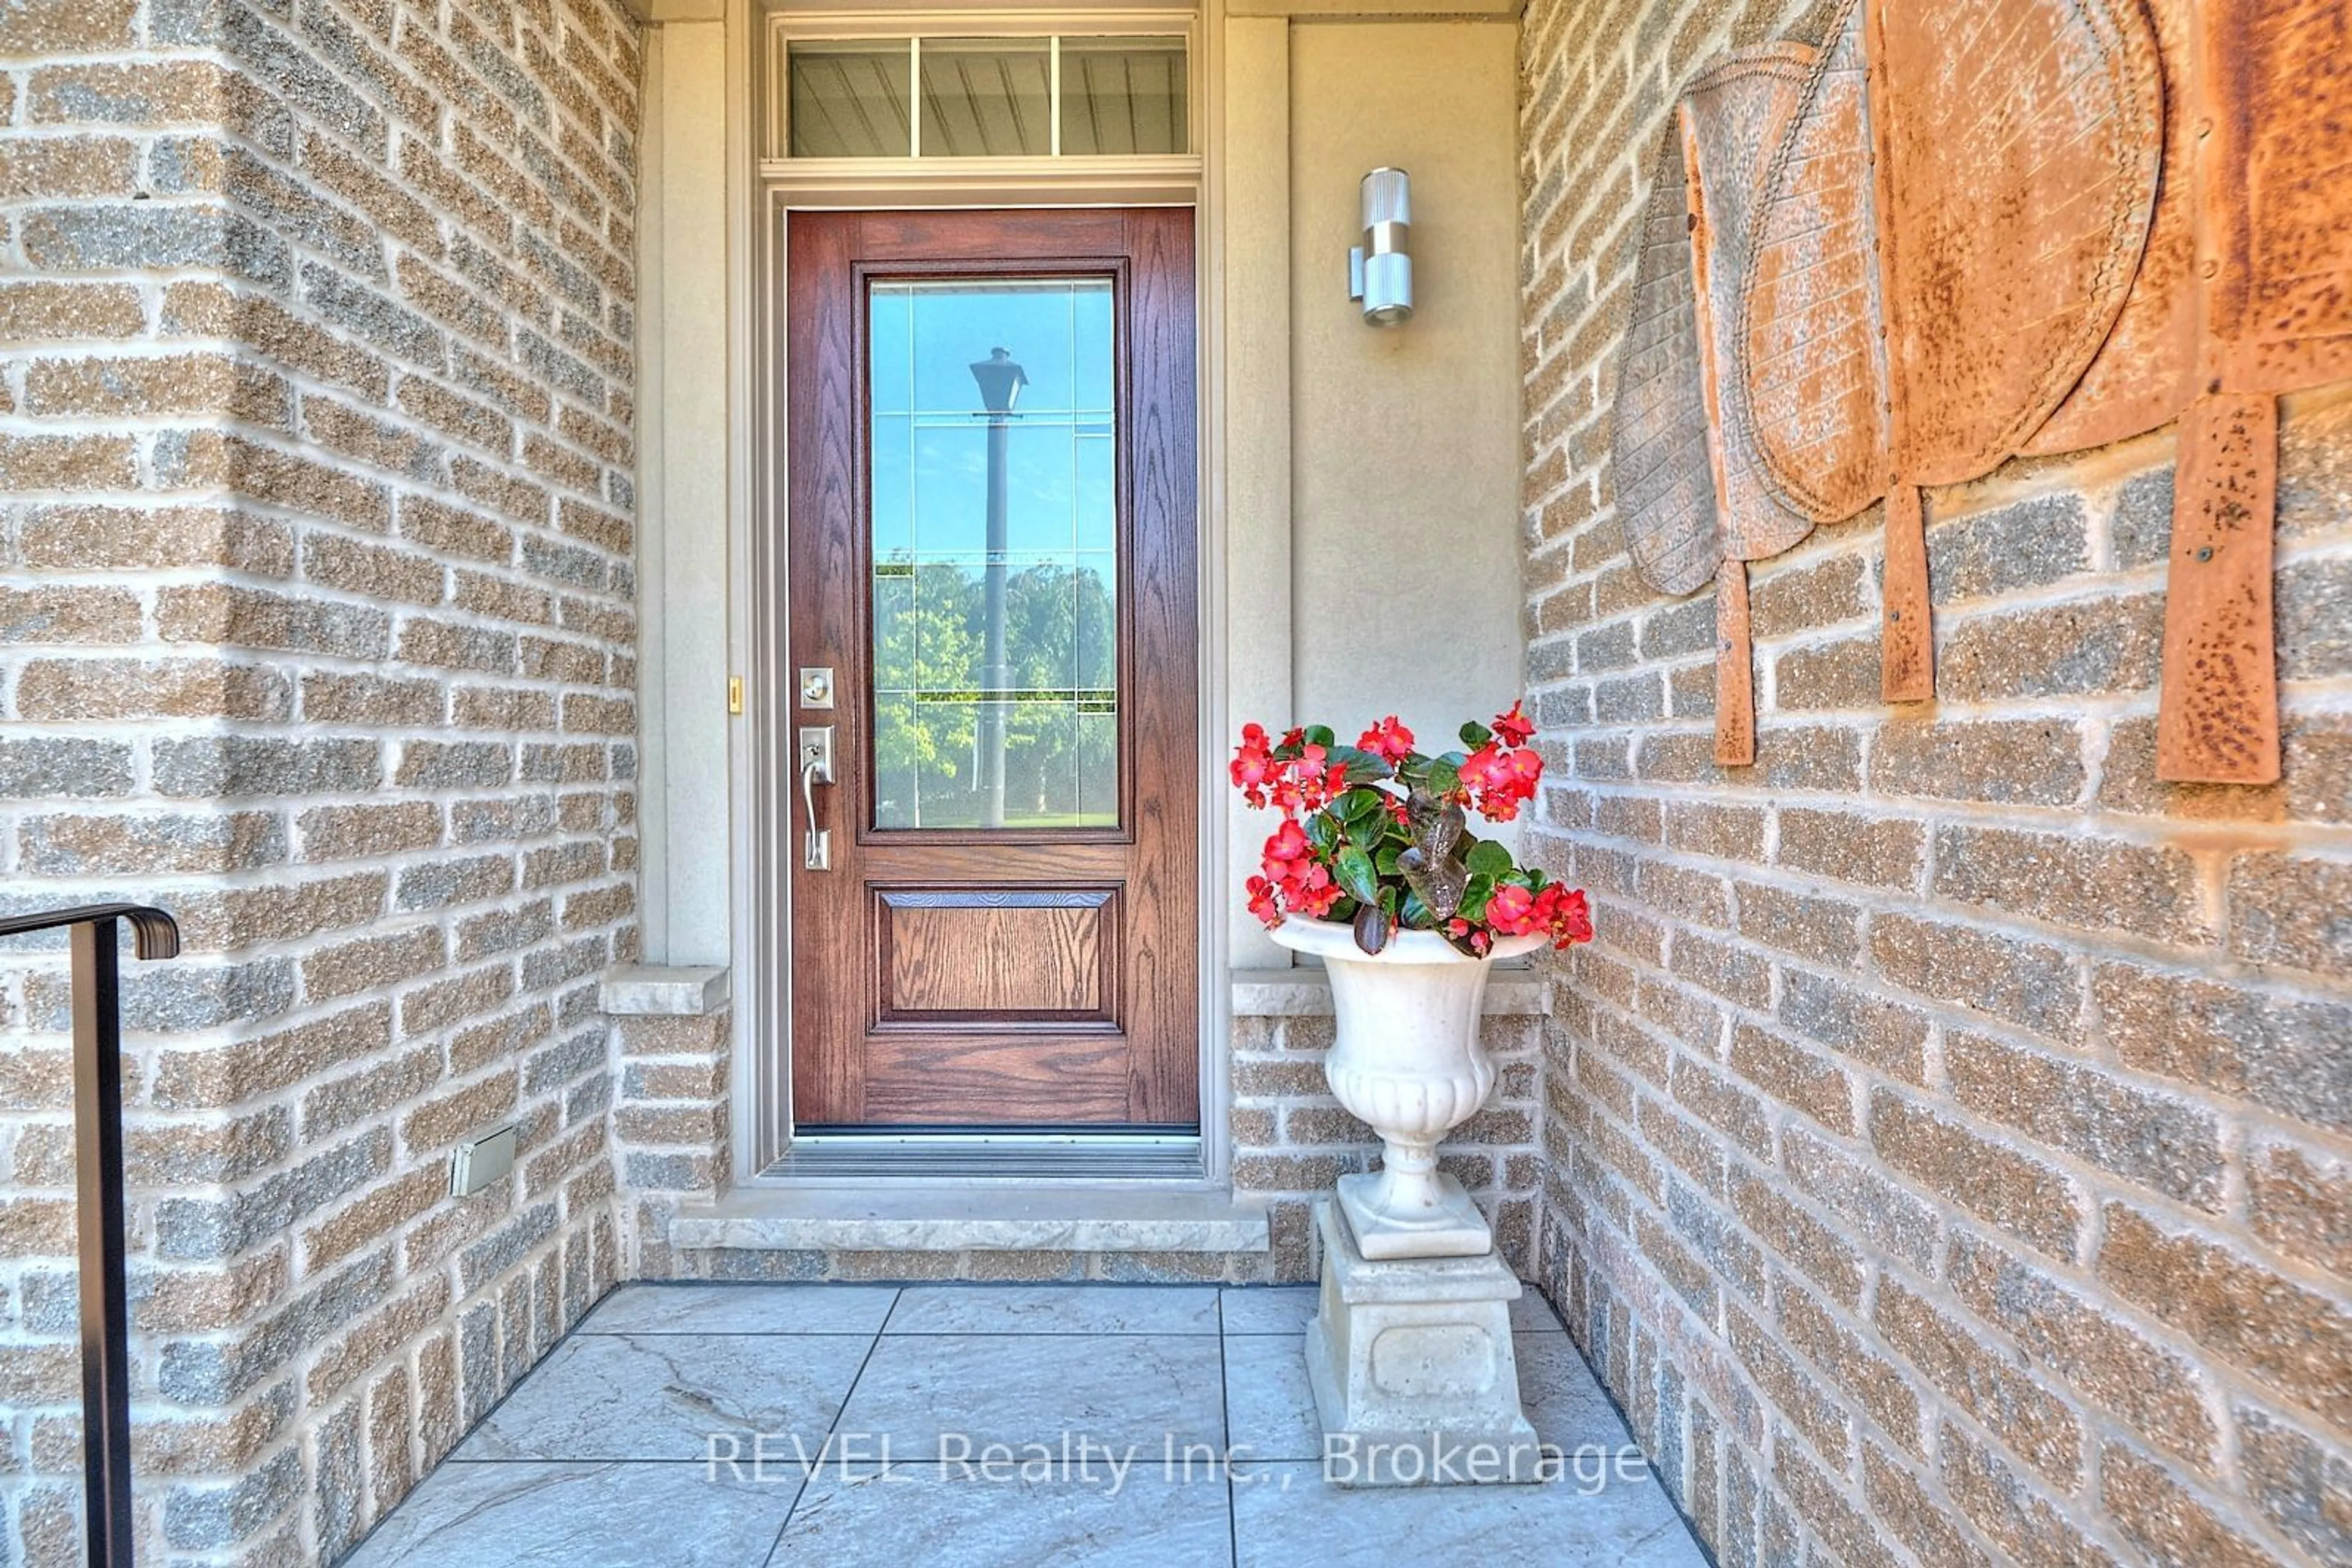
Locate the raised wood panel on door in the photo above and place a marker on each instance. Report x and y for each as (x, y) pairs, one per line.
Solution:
(936, 981)
(1041, 957)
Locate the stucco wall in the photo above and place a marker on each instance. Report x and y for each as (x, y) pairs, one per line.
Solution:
(1393, 585)
(1405, 468)
(1365, 470)
(1369, 514)
(1949, 1129)
(316, 627)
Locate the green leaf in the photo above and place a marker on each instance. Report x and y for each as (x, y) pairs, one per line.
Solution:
(1362, 767)
(1488, 858)
(1357, 804)
(1385, 858)
(1322, 832)
(1321, 736)
(1475, 735)
(1414, 914)
(1444, 775)
(1355, 874)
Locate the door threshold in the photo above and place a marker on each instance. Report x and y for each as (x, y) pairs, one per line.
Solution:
(961, 1218)
(868, 1158)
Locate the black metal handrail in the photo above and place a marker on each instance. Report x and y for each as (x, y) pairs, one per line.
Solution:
(97, 1214)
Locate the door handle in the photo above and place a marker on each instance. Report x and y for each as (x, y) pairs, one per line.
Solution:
(816, 767)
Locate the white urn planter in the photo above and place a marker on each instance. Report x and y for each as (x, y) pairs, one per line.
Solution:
(1408, 1062)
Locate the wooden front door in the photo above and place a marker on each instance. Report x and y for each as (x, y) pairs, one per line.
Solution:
(992, 515)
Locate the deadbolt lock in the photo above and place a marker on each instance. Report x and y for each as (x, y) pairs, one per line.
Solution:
(817, 685)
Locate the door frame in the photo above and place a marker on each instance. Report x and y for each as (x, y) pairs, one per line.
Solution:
(760, 772)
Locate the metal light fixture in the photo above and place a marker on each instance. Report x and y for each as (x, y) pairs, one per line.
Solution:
(1380, 270)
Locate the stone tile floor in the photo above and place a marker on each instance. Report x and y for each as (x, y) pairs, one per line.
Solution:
(852, 1423)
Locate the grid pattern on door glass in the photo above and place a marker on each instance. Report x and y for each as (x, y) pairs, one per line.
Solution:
(994, 540)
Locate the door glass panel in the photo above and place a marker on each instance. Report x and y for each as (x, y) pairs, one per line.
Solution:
(988, 97)
(995, 554)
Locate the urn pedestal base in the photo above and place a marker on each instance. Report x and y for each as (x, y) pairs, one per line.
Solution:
(1451, 1226)
(1411, 1360)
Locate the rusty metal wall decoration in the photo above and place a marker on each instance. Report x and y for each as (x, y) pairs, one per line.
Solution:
(2145, 372)
(2246, 283)
(2020, 149)
(2270, 106)
(1729, 120)
(2245, 290)
(1695, 501)
(2271, 96)
(2218, 714)
(1947, 236)
(1809, 341)
(1665, 487)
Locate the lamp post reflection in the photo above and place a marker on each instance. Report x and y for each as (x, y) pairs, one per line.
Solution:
(1000, 380)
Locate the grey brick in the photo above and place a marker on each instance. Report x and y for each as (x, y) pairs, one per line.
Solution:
(441, 883)
(484, 1261)
(40, 767)
(216, 1371)
(2142, 530)
(2019, 546)
(465, 764)
(361, 310)
(563, 371)
(2314, 619)
(182, 997)
(287, 66)
(500, 72)
(202, 1516)
(560, 1063)
(153, 235)
(570, 279)
(210, 1229)
(563, 564)
(553, 966)
(232, 766)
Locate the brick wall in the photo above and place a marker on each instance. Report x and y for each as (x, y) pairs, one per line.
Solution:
(1950, 1134)
(1292, 1141)
(672, 1116)
(317, 627)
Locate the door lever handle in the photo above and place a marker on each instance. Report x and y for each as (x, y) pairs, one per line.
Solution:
(816, 768)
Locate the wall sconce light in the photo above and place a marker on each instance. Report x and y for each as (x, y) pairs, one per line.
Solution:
(1380, 270)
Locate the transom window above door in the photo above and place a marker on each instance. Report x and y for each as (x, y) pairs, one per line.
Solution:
(1049, 96)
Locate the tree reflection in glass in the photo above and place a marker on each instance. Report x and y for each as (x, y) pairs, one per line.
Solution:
(1057, 695)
